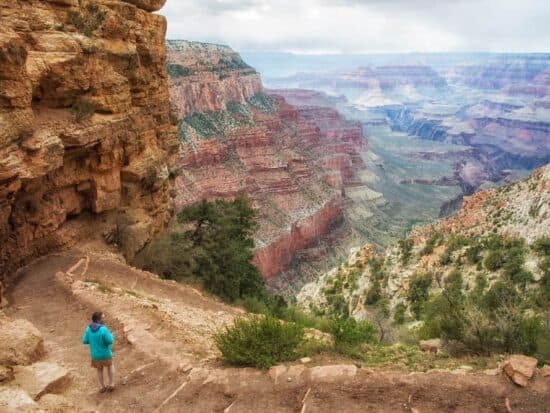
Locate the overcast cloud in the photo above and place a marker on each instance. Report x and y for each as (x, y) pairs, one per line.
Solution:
(356, 26)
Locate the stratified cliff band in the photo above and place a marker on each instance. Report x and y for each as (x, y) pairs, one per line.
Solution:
(86, 137)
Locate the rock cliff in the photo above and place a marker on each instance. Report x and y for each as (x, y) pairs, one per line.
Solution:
(204, 77)
(86, 136)
(237, 138)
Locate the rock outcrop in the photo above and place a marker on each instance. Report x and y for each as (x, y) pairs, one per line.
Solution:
(205, 77)
(520, 368)
(20, 342)
(86, 136)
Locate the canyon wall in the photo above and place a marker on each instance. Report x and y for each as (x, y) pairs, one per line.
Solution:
(502, 72)
(204, 77)
(86, 137)
(236, 138)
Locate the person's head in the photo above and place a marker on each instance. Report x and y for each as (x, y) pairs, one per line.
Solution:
(98, 317)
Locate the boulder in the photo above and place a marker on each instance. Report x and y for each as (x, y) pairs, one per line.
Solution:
(520, 368)
(41, 378)
(14, 400)
(431, 346)
(305, 360)
(331, 374)
(20, 342)
(545, 371)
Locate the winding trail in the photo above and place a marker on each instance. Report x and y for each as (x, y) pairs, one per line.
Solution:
(166, 361)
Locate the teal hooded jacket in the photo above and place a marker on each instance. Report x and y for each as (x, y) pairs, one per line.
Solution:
(100, 340)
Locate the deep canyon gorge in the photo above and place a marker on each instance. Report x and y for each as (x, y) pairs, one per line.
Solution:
(379, 183)
(335, 159)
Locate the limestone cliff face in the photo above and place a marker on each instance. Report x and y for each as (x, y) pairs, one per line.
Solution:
(205, 77)
(86, 135)
(236, 138)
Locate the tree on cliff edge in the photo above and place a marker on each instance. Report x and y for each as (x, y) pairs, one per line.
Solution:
(214, 244)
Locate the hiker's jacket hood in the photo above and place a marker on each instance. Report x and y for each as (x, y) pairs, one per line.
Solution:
(100, 340)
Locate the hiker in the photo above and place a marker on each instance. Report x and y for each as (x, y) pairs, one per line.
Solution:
(100, 340)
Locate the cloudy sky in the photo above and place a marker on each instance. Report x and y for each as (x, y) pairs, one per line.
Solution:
(356, 26)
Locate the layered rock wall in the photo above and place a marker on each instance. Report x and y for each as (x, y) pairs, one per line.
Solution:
(205, 77)
(239, 139)
(86, 136)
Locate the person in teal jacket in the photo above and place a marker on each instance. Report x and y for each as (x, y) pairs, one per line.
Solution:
(100, 340)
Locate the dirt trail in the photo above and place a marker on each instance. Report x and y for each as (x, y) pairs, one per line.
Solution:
(165, 359)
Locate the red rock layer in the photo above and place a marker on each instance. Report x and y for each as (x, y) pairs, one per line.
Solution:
(284, 163)
(276, 257)
(62, 174)
(293, 162)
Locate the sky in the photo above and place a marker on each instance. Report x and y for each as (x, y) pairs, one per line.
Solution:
(363, 26)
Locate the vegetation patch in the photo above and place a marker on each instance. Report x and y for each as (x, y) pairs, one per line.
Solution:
(213, 243)
(235, 62)
(175, 70)
(259, 342)
(263, 102)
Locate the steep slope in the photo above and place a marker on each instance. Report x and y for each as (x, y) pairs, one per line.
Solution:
(236, 138)
(86, 141)
(516, 211)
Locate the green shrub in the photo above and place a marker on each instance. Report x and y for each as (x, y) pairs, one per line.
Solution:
(405, 246)
(542, 246)
(494, 260)
(203, 124)
(399, 314)
(174, 70)
(82, 110)
(418, 292)
(445, 258)
(376, 266)
(307, 320)
(473, 253)
(431, 243)
(260, 342)
(254, 305)
(262, 102)
(337, 304)
(350, 332)
(374, 294)
(236, 108)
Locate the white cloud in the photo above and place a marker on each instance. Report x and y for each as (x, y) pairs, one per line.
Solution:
(315, 26)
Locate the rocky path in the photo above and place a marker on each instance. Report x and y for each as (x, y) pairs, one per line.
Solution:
(166, 361)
